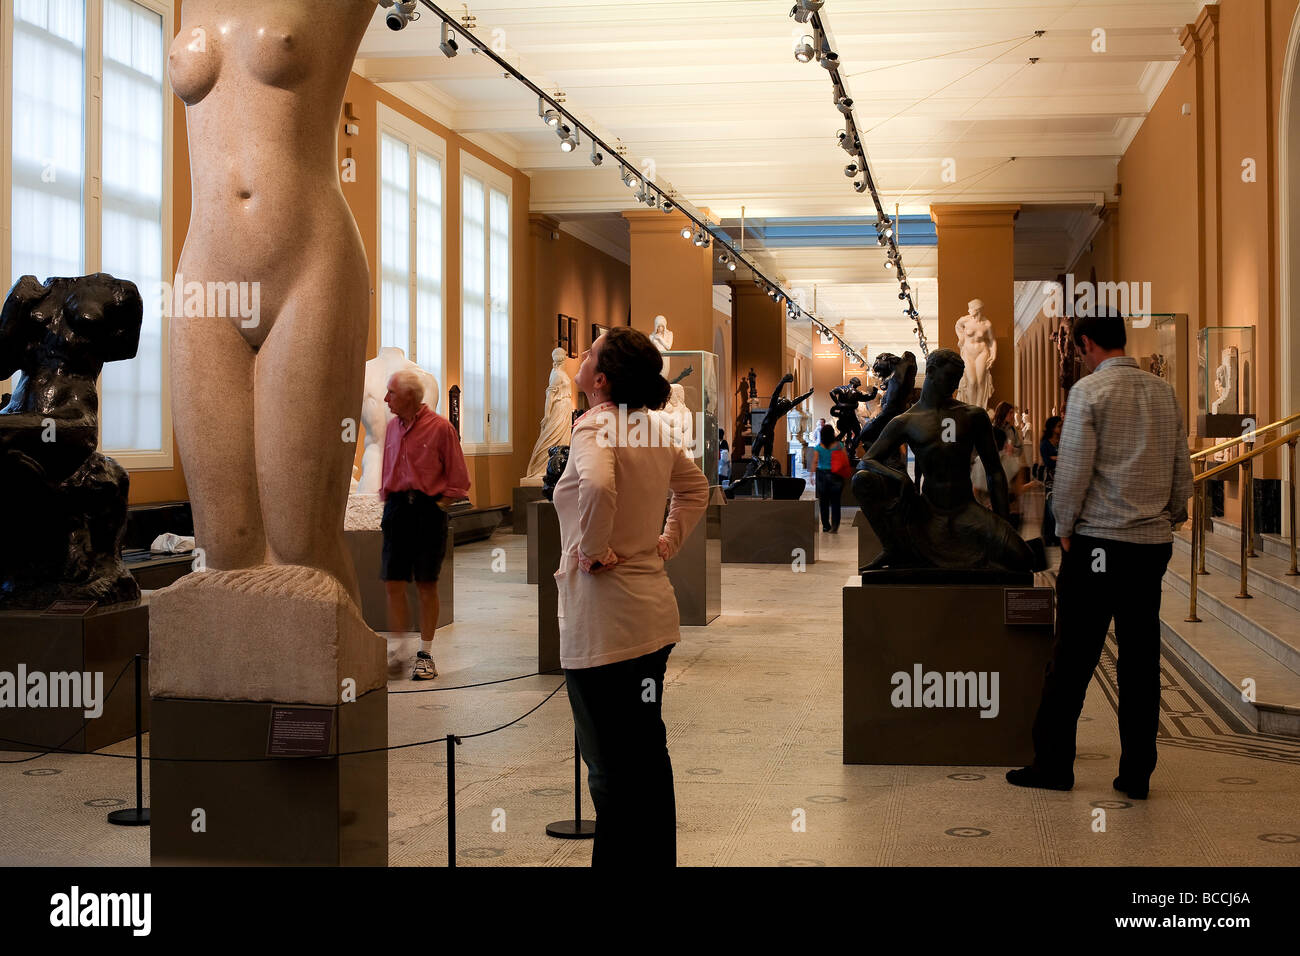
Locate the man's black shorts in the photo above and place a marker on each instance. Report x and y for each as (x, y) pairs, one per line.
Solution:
(415, 537)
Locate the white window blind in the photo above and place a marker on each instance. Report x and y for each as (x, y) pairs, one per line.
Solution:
(131, 392)
(411, 241)
(485, 308)
(75, 209)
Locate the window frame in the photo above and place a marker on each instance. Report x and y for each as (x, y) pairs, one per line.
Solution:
(417, 138)
(162, 459)
(491, 178)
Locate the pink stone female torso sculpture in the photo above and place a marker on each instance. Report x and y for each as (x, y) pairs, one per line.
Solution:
(259, 403)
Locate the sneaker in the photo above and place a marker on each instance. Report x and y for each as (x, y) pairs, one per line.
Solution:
(424, 669)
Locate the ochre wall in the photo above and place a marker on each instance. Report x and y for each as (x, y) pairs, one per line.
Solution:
(492, 476)
(574, 279)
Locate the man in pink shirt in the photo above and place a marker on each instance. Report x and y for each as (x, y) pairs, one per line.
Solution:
(424, 470)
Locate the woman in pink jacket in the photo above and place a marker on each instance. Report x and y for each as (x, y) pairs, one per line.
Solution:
(617, 610)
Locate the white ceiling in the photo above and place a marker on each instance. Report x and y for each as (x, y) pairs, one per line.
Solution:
(710, 94)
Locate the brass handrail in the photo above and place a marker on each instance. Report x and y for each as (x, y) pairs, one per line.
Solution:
(1245, 437)
(1245, 461)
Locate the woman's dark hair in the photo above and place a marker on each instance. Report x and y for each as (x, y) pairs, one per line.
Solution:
(827, 436)
(1000, 415)
(1050, 426)
(634, 369)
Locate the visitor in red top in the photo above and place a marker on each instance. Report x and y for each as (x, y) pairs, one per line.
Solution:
(424, 471)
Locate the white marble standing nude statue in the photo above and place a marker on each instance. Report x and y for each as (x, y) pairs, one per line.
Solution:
(978, 346)
(557, 420)
(259, 405)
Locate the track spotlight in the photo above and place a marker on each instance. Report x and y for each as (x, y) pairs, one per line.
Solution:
(549, 115)
(686, 232)
(630, 179)
(829, 59)
(804, 51)
(651, 198)
(448, 46)
(568, 138)
(851, 170)
(403, 12)
(597, 157)
(731, 265)
(848, 143)
(860, 185)
(666, 204)
(888, 230)
(889, 264)
(844, 104)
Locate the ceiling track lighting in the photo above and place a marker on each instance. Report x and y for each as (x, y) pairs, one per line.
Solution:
(829, 59)
(448, 46)
(844, 104)
(860, 185)
(549, 114)
(403, 12)
(597, 157)
(851, 170)
(630, 179)
(686, 232)
(568, 138)
(848, 143)
(803, 10)
(666, 204)
(804, 51)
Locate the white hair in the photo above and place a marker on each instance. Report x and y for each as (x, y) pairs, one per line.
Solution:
(408, 383)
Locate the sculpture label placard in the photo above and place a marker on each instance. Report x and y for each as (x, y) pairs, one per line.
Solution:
(1029, 606)
(299, 732)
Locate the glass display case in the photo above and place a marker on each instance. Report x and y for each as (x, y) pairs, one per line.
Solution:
(697, 373)
(1226, 373)
(1159, 343)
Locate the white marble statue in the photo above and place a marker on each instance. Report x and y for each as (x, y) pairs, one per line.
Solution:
(375, 415)
(662, 336)
(557, 419)
(1225, 382)
(681, 423)
(979, 350)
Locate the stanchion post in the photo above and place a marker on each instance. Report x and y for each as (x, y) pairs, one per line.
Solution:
(137, 816)
(574, 829)
(452, 742)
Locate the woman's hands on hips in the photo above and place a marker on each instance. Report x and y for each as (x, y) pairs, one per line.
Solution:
(597, 565)
(664, 550)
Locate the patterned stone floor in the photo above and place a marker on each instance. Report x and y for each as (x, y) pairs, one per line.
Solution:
(753, 711)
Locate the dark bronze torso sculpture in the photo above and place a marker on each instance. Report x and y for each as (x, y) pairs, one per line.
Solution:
(941, 525)
(844, 408)
(899, 376)
(64, 512)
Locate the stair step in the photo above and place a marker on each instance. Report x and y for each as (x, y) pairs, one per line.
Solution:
(1265, 574)
(1275, 545)
(1268, 624)
(1223, 659)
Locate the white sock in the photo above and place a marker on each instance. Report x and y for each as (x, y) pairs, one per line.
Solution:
(426, 647)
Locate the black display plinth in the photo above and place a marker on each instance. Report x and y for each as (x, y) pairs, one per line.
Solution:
(102, 642)
(367, 550)
(329, 811)
(696, 569)
(897, 635)
(521, 497)
(758, 531)
(544, 545)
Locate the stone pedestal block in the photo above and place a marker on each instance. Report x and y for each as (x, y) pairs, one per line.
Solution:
(696, 570)
(758, 531)
(544, 552)
(869, 546)
(228, 649)
(521, 497)
(900, 639)
(102, 642)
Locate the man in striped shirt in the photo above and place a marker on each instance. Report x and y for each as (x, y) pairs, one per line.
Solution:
(1123, 479)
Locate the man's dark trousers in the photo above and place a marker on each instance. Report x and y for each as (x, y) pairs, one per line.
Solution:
(618, 713)
(1101, 579)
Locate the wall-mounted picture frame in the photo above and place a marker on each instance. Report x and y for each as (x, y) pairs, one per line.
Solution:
(565, 334)
(597, 330)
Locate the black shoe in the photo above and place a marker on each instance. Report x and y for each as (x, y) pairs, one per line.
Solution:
(1136, 791)
(1033, 777)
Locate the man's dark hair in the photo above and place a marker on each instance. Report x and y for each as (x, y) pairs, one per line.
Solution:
(634, 368)
(1106, 330)
(827, 437)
